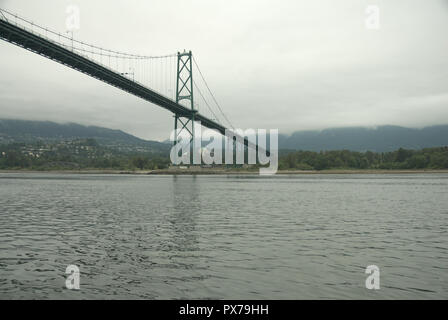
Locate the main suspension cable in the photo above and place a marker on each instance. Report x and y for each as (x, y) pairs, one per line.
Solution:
(211, 93)
(206, 103)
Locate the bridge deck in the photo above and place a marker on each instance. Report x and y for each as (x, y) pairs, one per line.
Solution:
(54, 51)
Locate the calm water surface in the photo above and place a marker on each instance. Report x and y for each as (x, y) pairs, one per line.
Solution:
(239, 237)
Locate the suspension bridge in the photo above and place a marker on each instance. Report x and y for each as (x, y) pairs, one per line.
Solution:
(166, 81)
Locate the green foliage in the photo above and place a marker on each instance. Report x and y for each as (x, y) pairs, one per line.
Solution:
(75, 154)
(432, 158)
(142, 163)
(88, 154)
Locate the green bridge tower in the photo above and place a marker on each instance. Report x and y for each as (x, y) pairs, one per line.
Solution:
(184, 91)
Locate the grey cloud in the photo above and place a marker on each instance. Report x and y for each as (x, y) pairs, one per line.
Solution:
(272, 64)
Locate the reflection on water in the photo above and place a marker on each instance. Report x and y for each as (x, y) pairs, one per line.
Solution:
(290, 237)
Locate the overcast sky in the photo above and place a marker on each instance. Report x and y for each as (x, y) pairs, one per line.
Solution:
(291, 65)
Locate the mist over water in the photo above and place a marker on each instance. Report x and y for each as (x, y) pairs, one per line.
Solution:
(235, 237)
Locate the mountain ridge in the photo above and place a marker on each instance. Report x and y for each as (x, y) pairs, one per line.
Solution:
(28, 131)
(379, 139)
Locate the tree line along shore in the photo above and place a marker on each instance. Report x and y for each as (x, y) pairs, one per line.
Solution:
(87, 155)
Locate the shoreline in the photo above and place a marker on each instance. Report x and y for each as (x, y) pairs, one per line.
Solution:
(229, 171)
